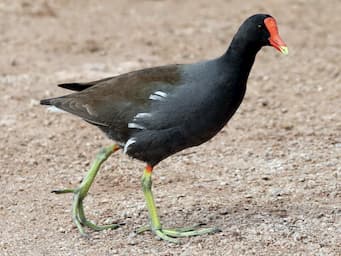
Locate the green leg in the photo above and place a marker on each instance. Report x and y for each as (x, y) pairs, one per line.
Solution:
(155, 224)
(81, 192)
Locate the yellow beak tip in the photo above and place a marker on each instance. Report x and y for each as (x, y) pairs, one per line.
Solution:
(284, 50)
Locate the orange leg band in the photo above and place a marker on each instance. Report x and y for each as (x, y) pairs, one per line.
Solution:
(149, 168)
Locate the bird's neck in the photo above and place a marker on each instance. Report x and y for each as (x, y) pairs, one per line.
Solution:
(241, 55)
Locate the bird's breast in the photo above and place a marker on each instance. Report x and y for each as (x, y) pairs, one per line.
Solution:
(211, 111)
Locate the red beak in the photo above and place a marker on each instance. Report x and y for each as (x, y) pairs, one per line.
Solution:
(275, 40)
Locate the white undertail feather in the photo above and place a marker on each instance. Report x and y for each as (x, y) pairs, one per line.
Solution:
(128, 143)
(54, 109)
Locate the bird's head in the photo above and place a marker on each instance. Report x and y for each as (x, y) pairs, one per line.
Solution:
(261, 29)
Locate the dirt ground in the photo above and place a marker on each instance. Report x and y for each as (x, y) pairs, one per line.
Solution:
(270, 180)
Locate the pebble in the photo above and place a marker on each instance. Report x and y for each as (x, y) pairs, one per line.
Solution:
(7, 120)
(34, 102)
(298, 236)
(276, 192)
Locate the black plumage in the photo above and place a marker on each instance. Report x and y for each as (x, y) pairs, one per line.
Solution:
(156, 112)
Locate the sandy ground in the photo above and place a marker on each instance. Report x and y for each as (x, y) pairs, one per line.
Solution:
(270, 179)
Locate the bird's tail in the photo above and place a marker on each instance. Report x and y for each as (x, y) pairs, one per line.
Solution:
(46, 102)
(75, 86)
(82, 86)
(54, 105)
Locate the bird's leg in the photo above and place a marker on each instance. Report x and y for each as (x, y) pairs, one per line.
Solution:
(81, 192)
(155, 224)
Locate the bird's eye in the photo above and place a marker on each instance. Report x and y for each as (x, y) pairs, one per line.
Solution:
(259, 26)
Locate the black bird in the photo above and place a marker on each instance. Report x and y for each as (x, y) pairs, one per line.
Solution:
(156, 112)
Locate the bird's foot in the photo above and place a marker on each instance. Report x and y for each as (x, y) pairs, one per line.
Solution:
(78, 215)
(81, 191)
(170, 234)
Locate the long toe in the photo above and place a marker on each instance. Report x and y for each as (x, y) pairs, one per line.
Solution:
(162, 235)
(95, 227)
(85, 222)
(143, 229)
(190, 232)
(78, 214)
(170, 234)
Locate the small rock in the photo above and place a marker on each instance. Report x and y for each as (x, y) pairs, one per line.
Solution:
(320, 215)
(276, 192)
(302, 179)
(264, 103)
(109, 221)
(224, 212)
(61, 230)
(298, 236)
(34, 102)
(132, 242)
(14, 63)
(288, 127)
(7, 121)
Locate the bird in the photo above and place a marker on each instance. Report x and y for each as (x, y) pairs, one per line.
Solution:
(156, 112)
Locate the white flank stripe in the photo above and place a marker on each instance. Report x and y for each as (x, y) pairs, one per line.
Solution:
(128, 143)
(155, 97)
(158, 95)
(162, 94)
(142, 115)
(135, 126)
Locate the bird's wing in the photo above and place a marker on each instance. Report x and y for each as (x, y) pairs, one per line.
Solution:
(116, 101)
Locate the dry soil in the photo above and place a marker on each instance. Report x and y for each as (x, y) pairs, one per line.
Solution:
(270, 180)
